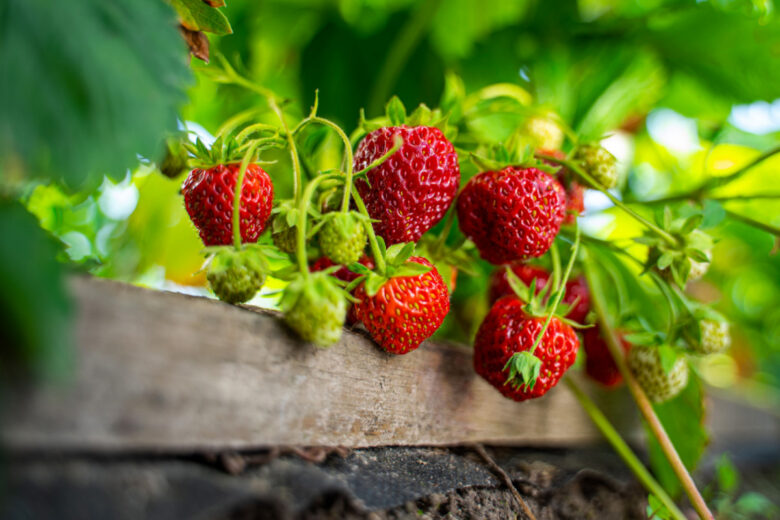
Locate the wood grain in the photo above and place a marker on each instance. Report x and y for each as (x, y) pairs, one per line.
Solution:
(159, 371)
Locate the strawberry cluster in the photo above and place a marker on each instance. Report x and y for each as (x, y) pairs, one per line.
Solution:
(402, 180)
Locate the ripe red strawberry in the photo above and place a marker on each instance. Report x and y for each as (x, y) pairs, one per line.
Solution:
(508, 329)
(406, 310)
(208, 197)
(412, 190)
(576, 288)
(512, 214)
(599, 363)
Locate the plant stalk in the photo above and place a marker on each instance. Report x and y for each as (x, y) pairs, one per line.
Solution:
(300, 226)
(573, 166)
(237, 194)
(623, 450)
(296, 160)
(559, 294)
(379, 260)
(642, 402)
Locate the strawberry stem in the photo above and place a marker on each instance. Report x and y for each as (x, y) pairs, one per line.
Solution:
(642, 402)
(573, 166)
(559, 293)
(623, 450)
(296, 160)
(239, 188)
(445, 232)
(300, 226)
(376, 252)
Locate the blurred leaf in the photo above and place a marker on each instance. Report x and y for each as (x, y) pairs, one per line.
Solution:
(692, 41)
(36, 332)
(683, 420)
(86, 86)
(197, 15)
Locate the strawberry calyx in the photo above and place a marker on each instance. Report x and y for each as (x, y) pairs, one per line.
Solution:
(396, 265)
(675, 261)
(523, 370)
(315, 306)
(498, 157)
(396, 115)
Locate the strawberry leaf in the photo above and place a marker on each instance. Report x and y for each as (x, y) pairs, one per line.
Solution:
(668, 356)
(411, 269)
(196, 15)
(374, 282)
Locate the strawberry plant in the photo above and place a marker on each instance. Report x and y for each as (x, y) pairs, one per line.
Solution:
(528, 213)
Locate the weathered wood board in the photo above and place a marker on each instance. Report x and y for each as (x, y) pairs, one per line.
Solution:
(159, 371)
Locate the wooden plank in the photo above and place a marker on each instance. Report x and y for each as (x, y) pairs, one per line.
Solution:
(160, 370)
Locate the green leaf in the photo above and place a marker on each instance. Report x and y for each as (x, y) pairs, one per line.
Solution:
(87, 86)
(411, 269)
(37, 332)
(656, 510)
(374, 283)
(665, 260)
(727, 474)
(196, 15)
(396, 111)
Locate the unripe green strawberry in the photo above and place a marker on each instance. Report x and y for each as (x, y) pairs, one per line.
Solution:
(598, 163)
(543, 132)
(645, 363)
(283, 235)
(316, 309)
(714, 337)
(342, 238)
(235, 276)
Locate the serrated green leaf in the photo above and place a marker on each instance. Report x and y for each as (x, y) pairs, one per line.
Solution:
(87, 86)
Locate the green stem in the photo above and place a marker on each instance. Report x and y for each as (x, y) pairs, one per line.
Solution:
(237, 195)
(296, 160)
(379, 259)
(555, 255)
(400, 50)
(642, 402)
(623, 450)
(573, 166)
(300, 226)
(445, 232)
(559, 294)
(754, 223)
(347, 153)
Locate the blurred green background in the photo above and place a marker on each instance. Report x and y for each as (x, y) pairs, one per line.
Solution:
(680, 90)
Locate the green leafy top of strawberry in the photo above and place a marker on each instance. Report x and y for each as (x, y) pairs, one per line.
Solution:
(396, 266)
(497, 157)
(396, 115)
(676, 259)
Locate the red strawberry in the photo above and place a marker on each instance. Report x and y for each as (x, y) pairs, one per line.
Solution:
(599, 363)
(508, 329)
(208, 197)
(512, 214)
(577, 288)
(412, 190)
(575, 192)
(406, 310)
